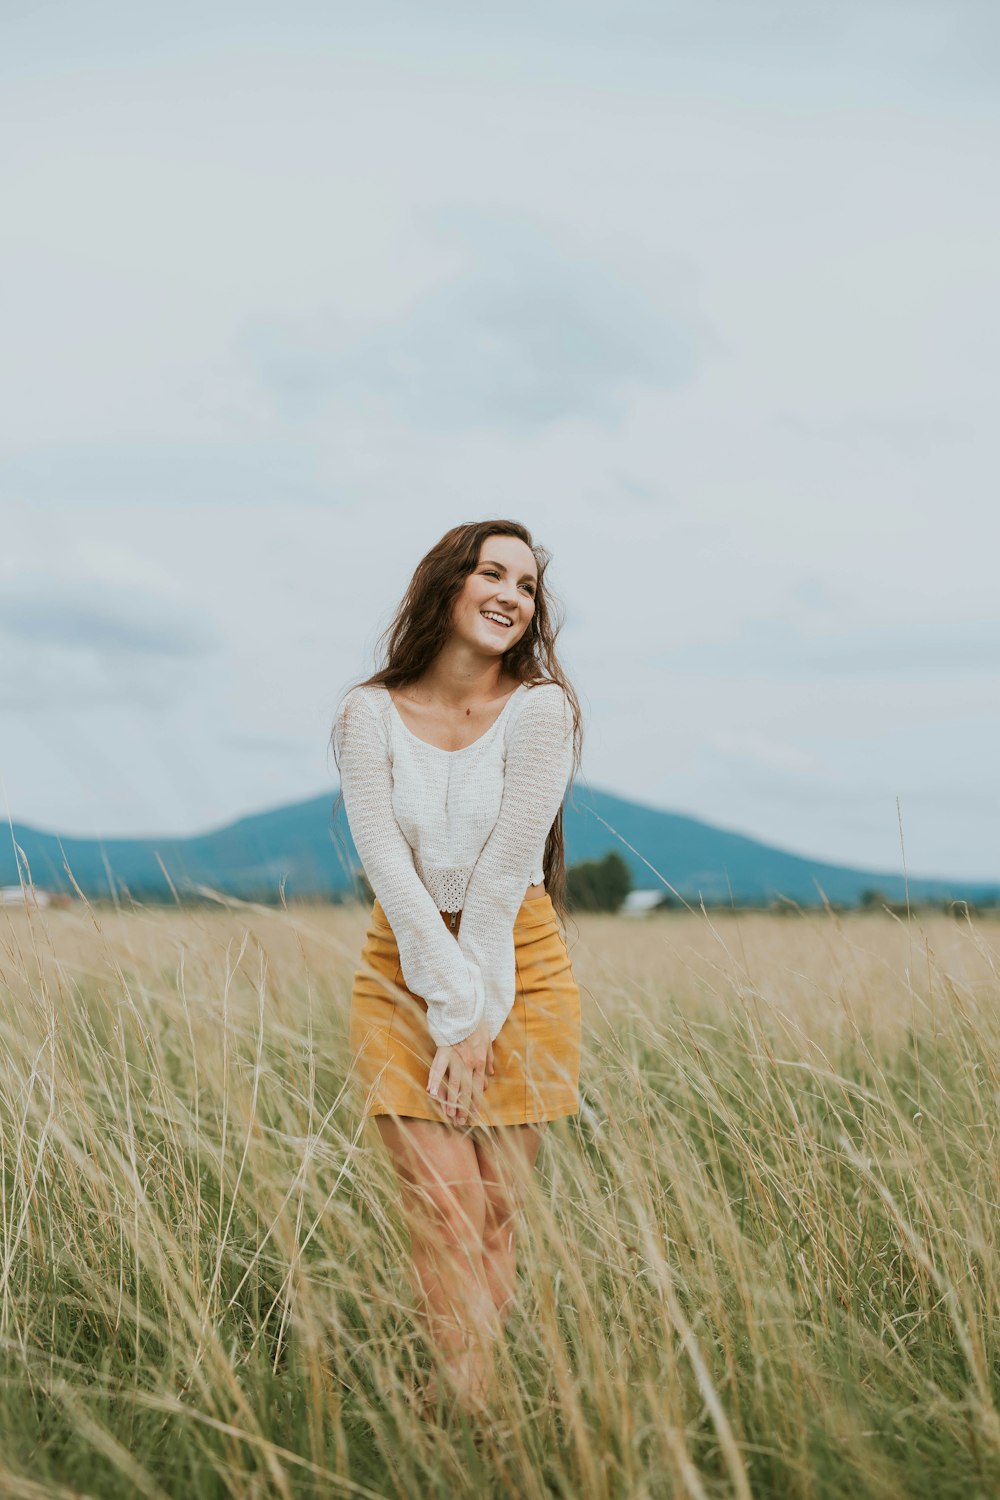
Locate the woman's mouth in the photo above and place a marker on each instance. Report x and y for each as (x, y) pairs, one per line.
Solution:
(504, 621)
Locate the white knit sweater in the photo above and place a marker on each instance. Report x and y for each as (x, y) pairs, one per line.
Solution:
(454, 830)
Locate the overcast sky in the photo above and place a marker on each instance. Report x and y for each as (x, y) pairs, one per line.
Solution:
(704, 294)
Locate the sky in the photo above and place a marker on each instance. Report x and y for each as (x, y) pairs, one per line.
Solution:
(703, 294)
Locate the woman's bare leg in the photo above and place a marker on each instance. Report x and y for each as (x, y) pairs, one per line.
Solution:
(506, 1155)
(444, 1204)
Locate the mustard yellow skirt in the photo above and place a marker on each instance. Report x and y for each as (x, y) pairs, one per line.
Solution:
(536, 1054)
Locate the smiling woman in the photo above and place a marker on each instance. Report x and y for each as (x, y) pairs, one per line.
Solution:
(454, 760)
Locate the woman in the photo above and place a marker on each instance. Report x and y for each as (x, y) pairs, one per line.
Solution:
(465, 1016)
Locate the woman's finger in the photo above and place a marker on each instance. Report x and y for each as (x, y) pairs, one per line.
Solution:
(478, 1089)
(464, 1095)
(437, 1072)
(453, 1086)
(474, 1092)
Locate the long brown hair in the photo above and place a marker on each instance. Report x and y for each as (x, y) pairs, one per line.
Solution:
(422, 625)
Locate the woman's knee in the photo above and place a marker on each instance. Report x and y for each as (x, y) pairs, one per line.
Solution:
(502, 1213)
(450, 1214)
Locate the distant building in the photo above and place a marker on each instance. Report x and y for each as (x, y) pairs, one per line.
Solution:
(638, 903)
(16, 895)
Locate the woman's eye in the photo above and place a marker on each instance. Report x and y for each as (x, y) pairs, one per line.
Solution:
(492, 573)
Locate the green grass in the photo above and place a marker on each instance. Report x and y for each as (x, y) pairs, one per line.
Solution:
(761, 1262)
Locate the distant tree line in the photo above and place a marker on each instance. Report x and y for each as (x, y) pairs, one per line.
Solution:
(592, 885)
(603, 884)
(598, 884)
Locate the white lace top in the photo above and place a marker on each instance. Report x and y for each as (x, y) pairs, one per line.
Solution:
(454, 830)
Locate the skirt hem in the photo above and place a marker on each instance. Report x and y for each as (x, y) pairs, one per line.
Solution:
(536, 1054)
(555, 1112)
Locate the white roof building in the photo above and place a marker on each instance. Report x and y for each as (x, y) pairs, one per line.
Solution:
(638, 903)
(16, 895)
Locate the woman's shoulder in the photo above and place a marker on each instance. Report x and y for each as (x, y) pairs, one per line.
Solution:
(542, 702)
(369, 691)
(371, 694)
(545, 689)
(363, 703)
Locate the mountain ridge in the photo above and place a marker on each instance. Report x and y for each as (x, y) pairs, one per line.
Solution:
(296, 850)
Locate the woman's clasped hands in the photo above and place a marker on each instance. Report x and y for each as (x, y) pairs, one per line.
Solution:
(459, 1074)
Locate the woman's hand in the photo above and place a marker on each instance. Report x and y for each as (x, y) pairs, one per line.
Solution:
(458, 1073)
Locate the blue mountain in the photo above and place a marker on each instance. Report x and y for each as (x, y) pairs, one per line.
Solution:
(299, 852)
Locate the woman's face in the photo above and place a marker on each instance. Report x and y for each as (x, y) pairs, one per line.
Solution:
(503, 583)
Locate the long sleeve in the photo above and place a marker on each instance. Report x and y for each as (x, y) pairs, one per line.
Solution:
(433, 965)
(538, 763)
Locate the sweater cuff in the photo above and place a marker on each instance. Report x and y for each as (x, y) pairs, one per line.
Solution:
(445, 1027)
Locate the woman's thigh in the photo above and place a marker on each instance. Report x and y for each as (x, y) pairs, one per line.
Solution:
(506, 1155)
(439, 1176)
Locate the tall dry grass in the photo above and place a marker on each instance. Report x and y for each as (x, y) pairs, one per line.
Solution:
(762, 1261)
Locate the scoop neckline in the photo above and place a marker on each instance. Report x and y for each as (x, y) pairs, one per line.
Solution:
(462, 748)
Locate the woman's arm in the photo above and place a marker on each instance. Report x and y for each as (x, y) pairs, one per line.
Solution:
(434, 966)
(539, 760)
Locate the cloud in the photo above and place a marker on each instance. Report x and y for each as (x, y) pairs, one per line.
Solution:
(264, 744)
(749, 745)
(131, 471)
(90, 644)
(960, 655)
(775, 649)
(90, 616)
(525, 333)
(904, 432)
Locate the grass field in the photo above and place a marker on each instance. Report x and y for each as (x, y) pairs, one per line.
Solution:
(762, 1261)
